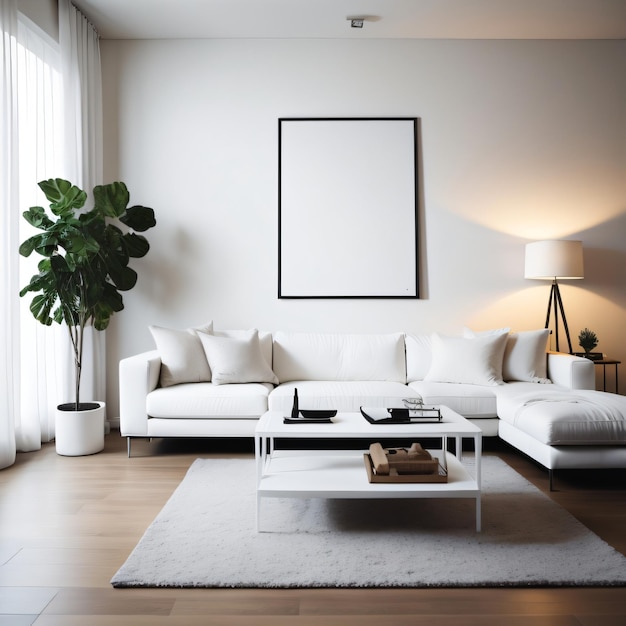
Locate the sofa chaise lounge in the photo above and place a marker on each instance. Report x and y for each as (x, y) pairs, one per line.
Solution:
(206, 383)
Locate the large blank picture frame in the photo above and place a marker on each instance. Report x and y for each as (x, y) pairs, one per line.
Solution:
(348, 208)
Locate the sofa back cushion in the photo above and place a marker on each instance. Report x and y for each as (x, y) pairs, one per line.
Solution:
(419, 354)
(329, 356)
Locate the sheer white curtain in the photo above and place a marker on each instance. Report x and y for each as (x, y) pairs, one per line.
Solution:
(82, 79)
(30, 149)
(9, 310)
(35, 145)
(40, 150)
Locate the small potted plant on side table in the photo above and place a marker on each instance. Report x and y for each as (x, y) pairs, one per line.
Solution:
(588, 340)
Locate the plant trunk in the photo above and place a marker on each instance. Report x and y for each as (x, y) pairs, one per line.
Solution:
(76, 337)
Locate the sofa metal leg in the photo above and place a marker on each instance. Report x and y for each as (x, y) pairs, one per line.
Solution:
(128, 446)
(551, 478)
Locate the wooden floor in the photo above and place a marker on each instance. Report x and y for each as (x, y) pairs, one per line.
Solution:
(67, 525)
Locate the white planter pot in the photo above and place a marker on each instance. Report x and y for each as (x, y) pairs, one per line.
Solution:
(79, 432)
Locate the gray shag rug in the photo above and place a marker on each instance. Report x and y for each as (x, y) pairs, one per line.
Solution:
(205, 537)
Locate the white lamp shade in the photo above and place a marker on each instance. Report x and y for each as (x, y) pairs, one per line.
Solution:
(554, 259)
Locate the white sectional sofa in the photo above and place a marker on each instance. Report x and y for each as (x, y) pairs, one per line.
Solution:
(206, 383)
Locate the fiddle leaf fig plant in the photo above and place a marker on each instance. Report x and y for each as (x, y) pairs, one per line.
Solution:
(85, 258)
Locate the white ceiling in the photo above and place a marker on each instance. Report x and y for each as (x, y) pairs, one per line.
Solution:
(326, 19)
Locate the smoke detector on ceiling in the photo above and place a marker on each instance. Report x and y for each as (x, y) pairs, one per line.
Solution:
(357, 21)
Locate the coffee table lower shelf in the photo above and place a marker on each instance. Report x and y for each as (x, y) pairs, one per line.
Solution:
(341, 474)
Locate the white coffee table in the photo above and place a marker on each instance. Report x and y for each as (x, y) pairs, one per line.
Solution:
(331, 473)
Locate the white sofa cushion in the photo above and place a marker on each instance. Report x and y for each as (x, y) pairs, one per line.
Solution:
(468, 400)
(237, 359)
(474, 361)
(206, 400)
(182, 356)
(340, 357)
(555, 416)
(339, 395)
(419, 354)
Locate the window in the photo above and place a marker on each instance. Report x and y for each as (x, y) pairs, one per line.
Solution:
(40, 119)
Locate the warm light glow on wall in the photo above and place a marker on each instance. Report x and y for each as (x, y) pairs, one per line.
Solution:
(538, 222)
(535, 214)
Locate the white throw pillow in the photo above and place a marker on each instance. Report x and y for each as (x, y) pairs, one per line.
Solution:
(474, 361)
(237, 360)
(182, 356)
(525, 356)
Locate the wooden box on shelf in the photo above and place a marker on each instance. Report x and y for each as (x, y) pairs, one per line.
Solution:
(401, 465)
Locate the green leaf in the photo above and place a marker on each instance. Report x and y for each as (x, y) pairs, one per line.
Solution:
(112, 298)
(139, 218)
(28, 246)
(45, 265)
(59, 265)
(64, 197)
(112, 239)
(55, 188)
(39, 282)
(122, 276)
(136, 246)
(36, 216)
(58, 315)
(41, 306)
(81, 245)
(112, 199)
(71, 262)
(124, 279)
(44, 244)
(111, 302)
(47, 244)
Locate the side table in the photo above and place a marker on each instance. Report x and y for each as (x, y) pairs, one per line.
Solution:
(604, 363)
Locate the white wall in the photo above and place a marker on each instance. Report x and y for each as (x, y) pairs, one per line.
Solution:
(519, 141)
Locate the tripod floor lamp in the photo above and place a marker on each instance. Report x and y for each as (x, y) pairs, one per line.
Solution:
(554, 260)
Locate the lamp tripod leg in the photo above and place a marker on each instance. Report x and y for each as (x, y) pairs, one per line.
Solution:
(558, 299)
(549, 306)
(552, 303)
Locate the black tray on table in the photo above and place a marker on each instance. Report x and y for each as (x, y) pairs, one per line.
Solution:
(424, 414)
(311, 417)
